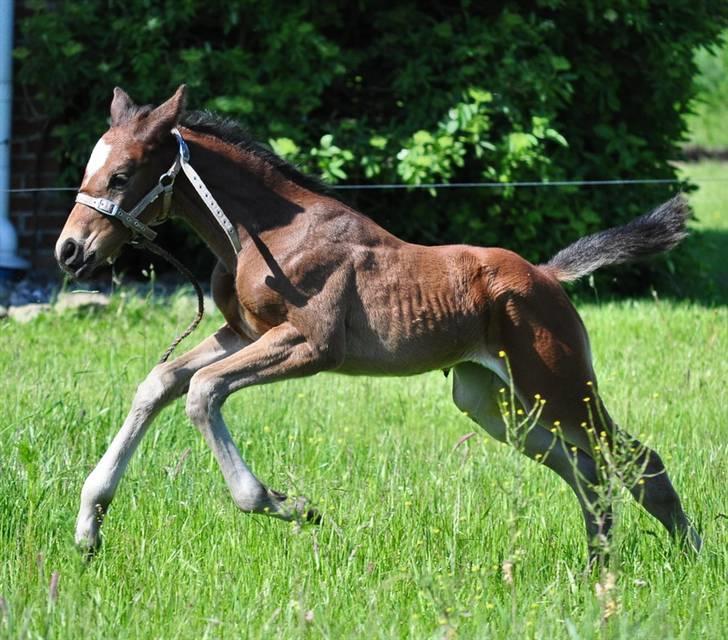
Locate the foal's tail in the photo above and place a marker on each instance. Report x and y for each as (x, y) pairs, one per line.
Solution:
(655, 232)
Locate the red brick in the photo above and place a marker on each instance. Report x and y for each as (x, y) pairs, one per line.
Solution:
(37, 217)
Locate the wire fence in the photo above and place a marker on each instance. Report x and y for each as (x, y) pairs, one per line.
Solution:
(457, 185)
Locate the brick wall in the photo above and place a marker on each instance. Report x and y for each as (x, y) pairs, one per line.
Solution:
(37, 217)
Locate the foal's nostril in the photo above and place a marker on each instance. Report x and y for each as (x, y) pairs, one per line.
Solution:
(70, 252)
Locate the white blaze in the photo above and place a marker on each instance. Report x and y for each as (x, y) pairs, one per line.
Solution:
(98, 158)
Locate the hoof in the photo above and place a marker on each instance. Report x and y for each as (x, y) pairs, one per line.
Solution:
(692, 542)
(293, 509)
(313, 516)
(88, 547)
(88, 533)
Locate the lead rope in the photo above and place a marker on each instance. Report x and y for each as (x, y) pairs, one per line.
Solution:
(163, 253)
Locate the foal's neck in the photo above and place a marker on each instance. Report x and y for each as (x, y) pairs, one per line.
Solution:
(254, 195)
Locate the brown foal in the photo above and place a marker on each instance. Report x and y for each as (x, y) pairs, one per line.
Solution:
(316, 286)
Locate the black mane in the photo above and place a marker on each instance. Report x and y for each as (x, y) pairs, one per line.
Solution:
(230, 131)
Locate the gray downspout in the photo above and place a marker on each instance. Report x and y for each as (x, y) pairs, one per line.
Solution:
(9, 260)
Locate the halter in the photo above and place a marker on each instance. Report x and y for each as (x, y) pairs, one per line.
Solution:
(164, 187)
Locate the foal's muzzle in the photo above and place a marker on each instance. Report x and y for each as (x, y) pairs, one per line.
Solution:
(73, 260)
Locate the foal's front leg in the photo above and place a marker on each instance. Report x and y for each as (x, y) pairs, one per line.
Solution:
(164, 383)
(279, 354)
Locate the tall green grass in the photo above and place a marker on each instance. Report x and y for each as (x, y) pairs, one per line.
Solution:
(416, 529)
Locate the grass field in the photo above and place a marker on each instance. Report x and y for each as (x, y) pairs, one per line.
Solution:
(416, 531)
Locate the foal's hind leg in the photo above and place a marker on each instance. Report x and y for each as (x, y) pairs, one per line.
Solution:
(549, 355)
(163, 384)
(638, 466)
(476, 390)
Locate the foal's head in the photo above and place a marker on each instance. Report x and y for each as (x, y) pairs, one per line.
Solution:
(125, 164)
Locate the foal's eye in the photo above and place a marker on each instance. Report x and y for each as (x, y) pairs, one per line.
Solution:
(118, 181)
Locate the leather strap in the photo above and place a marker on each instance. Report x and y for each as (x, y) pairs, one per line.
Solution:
(212, 205)
(113, 210)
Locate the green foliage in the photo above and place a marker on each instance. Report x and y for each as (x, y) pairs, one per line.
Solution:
(405, 92)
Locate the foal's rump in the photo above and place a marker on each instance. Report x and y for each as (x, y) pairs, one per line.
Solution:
(533, 327)
(532, 322)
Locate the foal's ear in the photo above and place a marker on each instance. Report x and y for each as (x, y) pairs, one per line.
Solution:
(121, 104)
(166, 116)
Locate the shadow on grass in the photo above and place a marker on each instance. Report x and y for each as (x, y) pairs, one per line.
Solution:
(708, 251)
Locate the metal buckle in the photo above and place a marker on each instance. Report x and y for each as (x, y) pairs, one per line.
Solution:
(166, 181)
(106, 206)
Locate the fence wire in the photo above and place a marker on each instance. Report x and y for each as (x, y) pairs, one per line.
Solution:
(456, 185)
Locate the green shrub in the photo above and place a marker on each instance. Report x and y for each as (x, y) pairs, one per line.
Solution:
(404, 92)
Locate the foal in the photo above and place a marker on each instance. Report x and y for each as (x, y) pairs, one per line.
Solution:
(307, 284)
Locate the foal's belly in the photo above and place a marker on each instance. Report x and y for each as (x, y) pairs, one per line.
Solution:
(416, 347)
